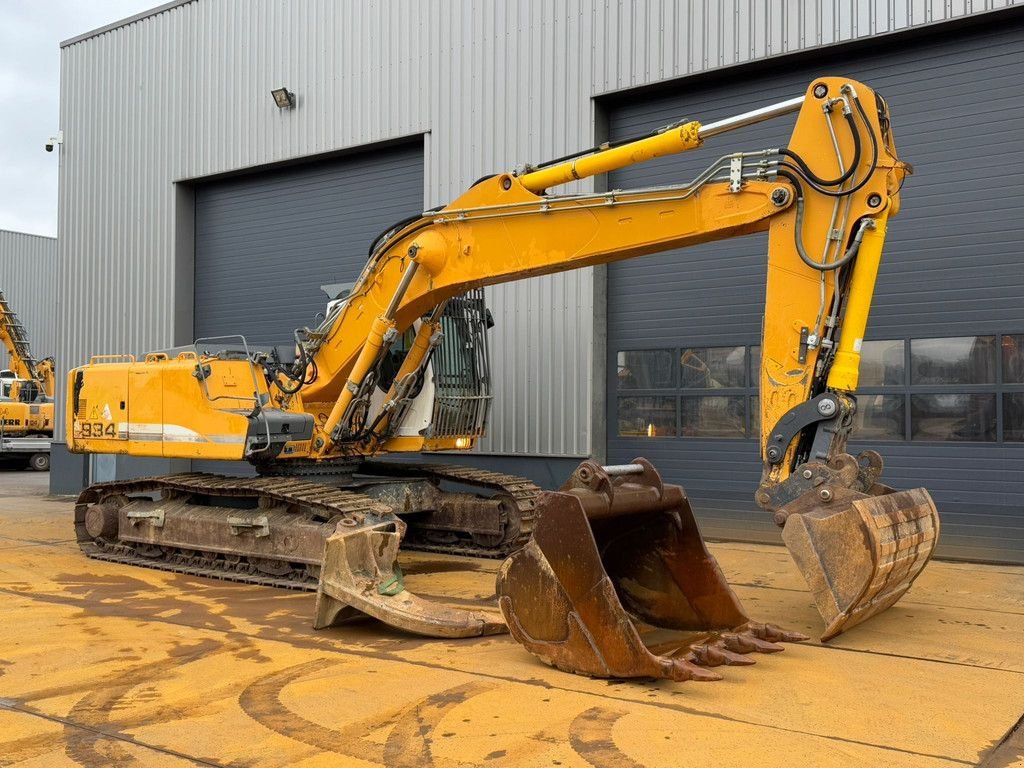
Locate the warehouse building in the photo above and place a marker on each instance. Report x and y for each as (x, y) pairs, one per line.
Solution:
(27, 266)
(193, 203)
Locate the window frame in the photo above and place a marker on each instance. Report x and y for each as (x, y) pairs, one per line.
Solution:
(998, 389)
(678, 391)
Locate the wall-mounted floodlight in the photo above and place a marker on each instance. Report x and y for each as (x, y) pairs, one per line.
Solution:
(284, 98)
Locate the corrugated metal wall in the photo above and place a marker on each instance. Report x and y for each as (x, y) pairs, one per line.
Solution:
(27, 265)
(185, 93)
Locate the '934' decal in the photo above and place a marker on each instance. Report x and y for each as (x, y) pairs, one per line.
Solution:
(97, 429)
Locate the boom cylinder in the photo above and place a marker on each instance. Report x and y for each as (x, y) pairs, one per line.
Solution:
(381, 331)
(676, 139)
(750, 118)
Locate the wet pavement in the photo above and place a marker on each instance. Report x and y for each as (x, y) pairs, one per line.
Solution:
(102, 664)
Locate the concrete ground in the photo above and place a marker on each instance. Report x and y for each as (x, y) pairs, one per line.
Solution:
(103, 665)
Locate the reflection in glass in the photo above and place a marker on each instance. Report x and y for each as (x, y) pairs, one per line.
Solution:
(959, 360)
(755, 366)
(714, 416)
(645, 368)
(1013, 416)
(880, 417)
(647, 416)
(1013, 359)
(755, 416)
(881, 363)
(714, 367)
(953, 417)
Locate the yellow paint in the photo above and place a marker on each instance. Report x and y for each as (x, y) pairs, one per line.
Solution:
(109, 664)
(160, 408)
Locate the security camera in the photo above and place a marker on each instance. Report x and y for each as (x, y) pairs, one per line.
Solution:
(54, 141)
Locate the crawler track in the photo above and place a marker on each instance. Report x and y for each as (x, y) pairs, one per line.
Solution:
(311, 503)
(521, 491)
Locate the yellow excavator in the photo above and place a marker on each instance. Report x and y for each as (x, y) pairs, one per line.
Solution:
(608, 576)
(26, 391)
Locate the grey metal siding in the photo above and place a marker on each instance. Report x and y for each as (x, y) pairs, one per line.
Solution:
(27, 267)
(953, 266)
(186, 95)
(265, 243)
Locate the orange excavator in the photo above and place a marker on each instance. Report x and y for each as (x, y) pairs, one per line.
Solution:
(608, 576)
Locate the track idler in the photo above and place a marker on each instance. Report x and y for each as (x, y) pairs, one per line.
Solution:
(617, 582)
(859, 544)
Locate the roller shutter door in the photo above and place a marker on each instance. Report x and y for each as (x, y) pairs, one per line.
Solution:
(948, 304)
(266, 242)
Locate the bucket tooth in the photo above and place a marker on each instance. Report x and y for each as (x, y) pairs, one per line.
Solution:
(860, 552)
(617, 582)
(361, 575)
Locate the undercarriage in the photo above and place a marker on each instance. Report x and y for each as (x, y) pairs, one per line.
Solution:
(271, 530)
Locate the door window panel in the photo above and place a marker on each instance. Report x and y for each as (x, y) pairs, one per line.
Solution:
(881, 363)
(646, 369)
(957, 360)
(718, 416)
(1013, 359)
(953, 417)
(1013, 416)
(713, 367)
(880, 417)
(647, 416)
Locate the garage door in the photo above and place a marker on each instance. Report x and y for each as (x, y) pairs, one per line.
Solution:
(943, 390)
(266, 243)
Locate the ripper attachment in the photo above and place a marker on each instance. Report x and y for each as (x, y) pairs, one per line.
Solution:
(617, 582)
(361, 575)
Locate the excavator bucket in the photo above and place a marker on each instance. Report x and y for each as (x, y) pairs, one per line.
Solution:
(859, 551)
(617, 582)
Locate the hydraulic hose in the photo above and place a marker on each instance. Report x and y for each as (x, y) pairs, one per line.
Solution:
(851, 252)
(874, 161)
(813, 177)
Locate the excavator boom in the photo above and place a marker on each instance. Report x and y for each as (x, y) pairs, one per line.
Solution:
(409, 332)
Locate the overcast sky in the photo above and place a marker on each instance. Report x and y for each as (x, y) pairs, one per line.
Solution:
(30, 36)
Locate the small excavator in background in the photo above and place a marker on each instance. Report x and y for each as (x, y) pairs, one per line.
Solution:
(608, 576)
(26, 389)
